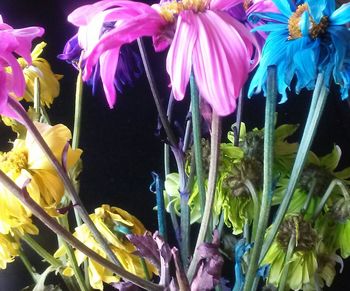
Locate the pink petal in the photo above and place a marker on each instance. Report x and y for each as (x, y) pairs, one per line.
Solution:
(223, 4)
(83, 15)
(126, 32)
(253, 47)
(220, 62)
(179, 59)
(25, 38)
(108, 67)
(17, 83)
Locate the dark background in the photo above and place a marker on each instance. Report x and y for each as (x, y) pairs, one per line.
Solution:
(120, 146)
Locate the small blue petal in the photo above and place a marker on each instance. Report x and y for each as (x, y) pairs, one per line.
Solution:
(268, 16)
(341, 15)
(285, 6)
(316, 8)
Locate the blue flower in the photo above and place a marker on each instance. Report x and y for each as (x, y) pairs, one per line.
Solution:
(304, 40)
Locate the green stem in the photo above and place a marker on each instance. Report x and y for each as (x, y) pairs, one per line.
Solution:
(145, 269)
(213, 170)
(77, 111)
(36, 98)
(23, 196)
(65, 178)
(327, 194)
(196, 126)
(317, 104)
(255, 200)
(309, 197)
(268, 178)
(238, 118)
(284, 276)
(31, 270)
(41, 251)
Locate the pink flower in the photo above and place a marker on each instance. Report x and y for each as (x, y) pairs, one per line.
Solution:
(14, 42)
(202, 37)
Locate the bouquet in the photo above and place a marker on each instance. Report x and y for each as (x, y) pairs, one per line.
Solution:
(237, 207)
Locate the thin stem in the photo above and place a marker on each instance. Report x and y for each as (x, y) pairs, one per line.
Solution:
(239, 118)
(35, 246)
(26, 200)
(77, 271)
(31, 270)
(289, 255)
(159, 189)
(327, 194)
(66, 180)
(317, 104)
(155, 93)
(197, 142)
(77, 111)
(213, 170)
(268, 178)
(309, 196)
(145, 269)
(36, 98)
(255, 199)
(173, 217)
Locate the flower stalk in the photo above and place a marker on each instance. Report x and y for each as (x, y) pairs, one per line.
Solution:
(213, 171)
(289, 255)
(63, 175)
(268, 178)
(196, 127)
(317, 104)
(51, 223)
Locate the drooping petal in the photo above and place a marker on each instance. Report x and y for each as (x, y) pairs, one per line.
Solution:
(179, 58)
(108, 67)
(341, 15)
(220, 62)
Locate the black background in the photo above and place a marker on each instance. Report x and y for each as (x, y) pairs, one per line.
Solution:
(120, 146)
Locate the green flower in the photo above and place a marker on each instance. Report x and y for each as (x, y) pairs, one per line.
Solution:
(316, 177)
(303, 262)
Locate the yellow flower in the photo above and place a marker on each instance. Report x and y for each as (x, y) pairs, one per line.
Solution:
(28, 167)
(40, 68)
(113, 223)
(8, 250)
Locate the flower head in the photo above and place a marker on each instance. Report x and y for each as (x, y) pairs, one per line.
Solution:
(29, 168)
(114, 224)
(40, 68)
(303, 41)
(203, 38)
(14, 42)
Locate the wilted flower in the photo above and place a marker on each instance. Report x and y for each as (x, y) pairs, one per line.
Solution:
(29, 168)
(114, 224)
(14, 42)
(198, 32)
(8, 250)
(304, 40)
(40, 68)
(303, 263)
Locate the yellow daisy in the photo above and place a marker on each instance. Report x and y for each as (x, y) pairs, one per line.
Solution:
(8, 250)
(28, 167)
(40, 68)
(113, 223)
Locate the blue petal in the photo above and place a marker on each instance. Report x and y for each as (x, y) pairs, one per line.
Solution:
(341, 15)
(317, 8)
(270, 27)
(267, 17)
(305, 24)
(285, 6)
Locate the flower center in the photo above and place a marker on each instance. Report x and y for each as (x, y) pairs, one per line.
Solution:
(315, 29)
(172, 8)
(305, 235)
(13, 161)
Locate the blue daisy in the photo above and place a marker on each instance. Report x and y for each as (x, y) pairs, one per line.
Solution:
(305, 38)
